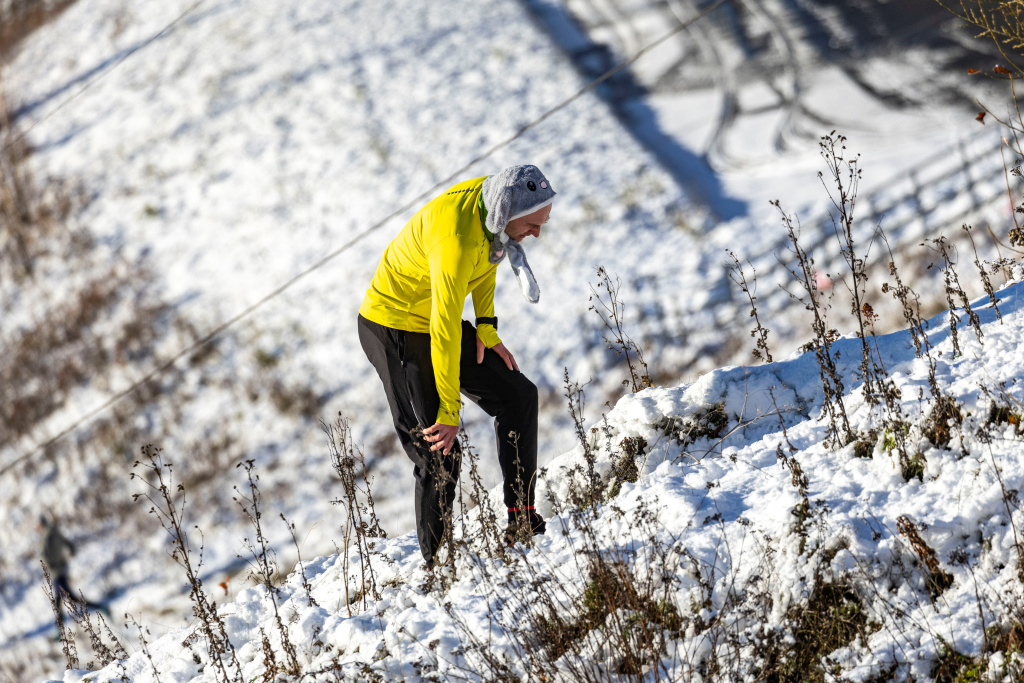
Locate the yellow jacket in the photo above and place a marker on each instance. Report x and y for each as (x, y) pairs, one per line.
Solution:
(422, 281)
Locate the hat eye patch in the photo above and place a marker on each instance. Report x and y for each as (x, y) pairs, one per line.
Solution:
(531, 186)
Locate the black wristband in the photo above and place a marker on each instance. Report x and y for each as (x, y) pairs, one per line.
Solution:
(493, 322)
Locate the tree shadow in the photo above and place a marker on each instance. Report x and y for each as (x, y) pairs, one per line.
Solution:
(627, 99)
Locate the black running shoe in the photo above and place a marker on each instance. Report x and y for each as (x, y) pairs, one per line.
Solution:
(522, 525)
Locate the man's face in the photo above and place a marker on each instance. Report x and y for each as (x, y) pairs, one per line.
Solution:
(530, 224)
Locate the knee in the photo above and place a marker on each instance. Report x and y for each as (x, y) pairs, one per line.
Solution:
(521, 405)
(529, 395)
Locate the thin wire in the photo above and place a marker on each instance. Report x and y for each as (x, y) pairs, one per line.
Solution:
(103, 74)
(166, 365)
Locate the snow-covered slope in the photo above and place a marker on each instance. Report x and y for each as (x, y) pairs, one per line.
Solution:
(711, 526)
(227, 155)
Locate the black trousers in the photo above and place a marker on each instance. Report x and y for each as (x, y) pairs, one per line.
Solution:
(402, 360)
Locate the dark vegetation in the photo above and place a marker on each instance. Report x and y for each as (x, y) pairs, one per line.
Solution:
(19, 18)
(833, 617)
(99, 331)
(95, 332)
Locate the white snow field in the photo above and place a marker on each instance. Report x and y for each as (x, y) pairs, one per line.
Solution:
(231, 153)
(711, 524)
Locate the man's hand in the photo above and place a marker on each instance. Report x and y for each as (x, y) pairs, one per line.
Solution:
(498, 348)
(441, 435)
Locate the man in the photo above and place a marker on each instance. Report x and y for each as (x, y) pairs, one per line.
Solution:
(411, 329)
(56, 548)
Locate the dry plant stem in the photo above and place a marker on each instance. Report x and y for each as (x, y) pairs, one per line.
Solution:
(889, 394)
(444, 481)
(760, 332)
(910, 303)
(463, 438)
(264, 566)
(593, 486)
(938, 579)
(803, 510)
(523, 530)
(1016, 127)
(576, 403)
(918, 326)
(492, 538)
(741, 423)
(265, 561)
(953, 290)
(495, 667)
(986, 647)
(361, 523)
(611, 314)
(833, 408)
(375, 527)
(844, 201)
(298, 562)
(145, 647)
(106, 653)
(67, 641)
(548, 617)
(985, 280)
(894, 425)
(1009, 170)
(157, 476)
(782, 423)
(1001, 22)
(1006, 496)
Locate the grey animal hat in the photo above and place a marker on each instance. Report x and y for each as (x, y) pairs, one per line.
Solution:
(515, 192)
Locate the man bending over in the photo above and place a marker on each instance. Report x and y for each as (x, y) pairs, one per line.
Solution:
(411, 329)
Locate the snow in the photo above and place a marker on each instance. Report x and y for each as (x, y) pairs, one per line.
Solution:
(724, 500)
(232, 153)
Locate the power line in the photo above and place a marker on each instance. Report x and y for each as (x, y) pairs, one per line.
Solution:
(210, 336)
(104, 73)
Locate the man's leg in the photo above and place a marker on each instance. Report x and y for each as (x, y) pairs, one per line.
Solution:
(402, 360)
(61, 592)
(511, 399)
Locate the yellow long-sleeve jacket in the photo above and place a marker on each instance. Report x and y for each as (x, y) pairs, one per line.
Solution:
(421, 283)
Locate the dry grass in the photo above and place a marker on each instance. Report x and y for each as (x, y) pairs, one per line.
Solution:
(66, 347)
(19, 18)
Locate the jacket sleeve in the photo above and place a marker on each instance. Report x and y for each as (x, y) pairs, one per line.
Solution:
(451, 263)
(483, 306)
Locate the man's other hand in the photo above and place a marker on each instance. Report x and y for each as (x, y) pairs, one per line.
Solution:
(498, 348)
(441, 435)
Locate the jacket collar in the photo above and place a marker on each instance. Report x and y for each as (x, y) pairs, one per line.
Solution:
(483, 216)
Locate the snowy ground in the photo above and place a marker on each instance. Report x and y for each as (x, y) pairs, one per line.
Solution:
(713, 519)
(233, 152)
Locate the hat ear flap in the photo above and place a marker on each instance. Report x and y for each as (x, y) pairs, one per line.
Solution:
(499, 210)
(524, 275)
